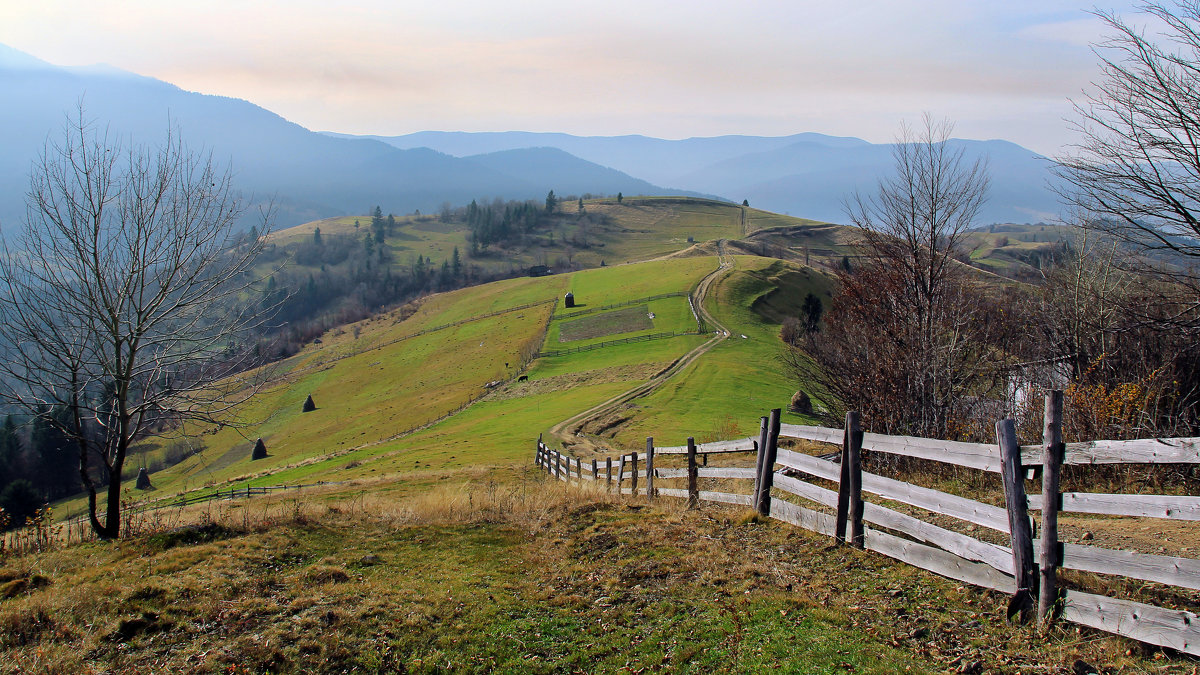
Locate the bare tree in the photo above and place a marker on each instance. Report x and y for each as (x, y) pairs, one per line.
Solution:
(917, 218)
(124, 298)
(1137, 167)
(908, 338)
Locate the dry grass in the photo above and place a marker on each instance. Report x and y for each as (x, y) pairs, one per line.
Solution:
(512, 574)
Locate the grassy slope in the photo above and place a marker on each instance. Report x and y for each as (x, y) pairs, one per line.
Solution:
(729, 388)
(640, 228)
(370, 388)
(523, 576)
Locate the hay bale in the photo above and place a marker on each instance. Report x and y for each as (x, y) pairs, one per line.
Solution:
(260, 450)
(801, 403)
(309, 406)
(143, 479)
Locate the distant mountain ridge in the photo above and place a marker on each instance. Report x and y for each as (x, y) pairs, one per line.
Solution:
(308, 175)
(807, 175)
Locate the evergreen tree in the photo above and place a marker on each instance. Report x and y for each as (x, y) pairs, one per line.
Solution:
(811, 312)
(456, 263)
(20, 500)
(317, 236)
(620, 197)
(581, 204)
(551, 202)
(55, 457)
(10, 452)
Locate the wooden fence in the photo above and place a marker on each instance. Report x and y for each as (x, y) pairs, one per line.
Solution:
(1026, 569)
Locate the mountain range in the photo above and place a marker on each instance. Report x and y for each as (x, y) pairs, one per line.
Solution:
(309, 175)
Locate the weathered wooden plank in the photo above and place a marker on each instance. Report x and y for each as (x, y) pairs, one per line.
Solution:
(1138, 451)
(962, 508)
(1172, 507)
(960, 544)
(725, 472)
(938, 561)
(670, 473)
(821, 523)
(727, 498)
(973, 455)
(672, 492)
(809, 433)
(981, 456)
(1172, 628)
(735, 445)
(1170, 570)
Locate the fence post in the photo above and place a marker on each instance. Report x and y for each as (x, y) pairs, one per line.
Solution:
(1052, 459)
(579, 469)
(763, 426)
(595, 471)
(650, 470)
(854, 485)
(1018, 519)
(558, 468)
(633, 473)
(766, 476)
(843, 503)
(692, 475)
(620, 472)
(537, 455)
(608, 473)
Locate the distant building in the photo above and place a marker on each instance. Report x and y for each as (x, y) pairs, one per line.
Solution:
(539, 271)
(569, 300)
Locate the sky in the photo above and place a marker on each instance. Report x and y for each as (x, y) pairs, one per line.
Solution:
(667, 69)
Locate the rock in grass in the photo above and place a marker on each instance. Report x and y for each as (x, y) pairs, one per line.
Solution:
(260, 450)
(309, 406)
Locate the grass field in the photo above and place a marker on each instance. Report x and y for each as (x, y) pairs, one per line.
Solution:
(724, 393)
(508, 574)
(640, 228)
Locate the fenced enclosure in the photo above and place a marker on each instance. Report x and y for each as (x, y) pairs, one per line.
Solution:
(935, 530)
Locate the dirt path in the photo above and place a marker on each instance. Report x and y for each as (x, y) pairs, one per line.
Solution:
(568, 431)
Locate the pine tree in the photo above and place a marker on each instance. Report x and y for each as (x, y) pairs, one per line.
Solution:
(456, 263)
(551, 202)
(10, 451)
(620, 197)
(317, 236)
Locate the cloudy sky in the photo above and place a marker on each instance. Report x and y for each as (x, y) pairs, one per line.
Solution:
(668, 69)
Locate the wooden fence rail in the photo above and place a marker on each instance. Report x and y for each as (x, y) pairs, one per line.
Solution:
(1026, 569)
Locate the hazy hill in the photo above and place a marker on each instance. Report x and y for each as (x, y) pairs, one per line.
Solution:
(805, 175)
(309, 175)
